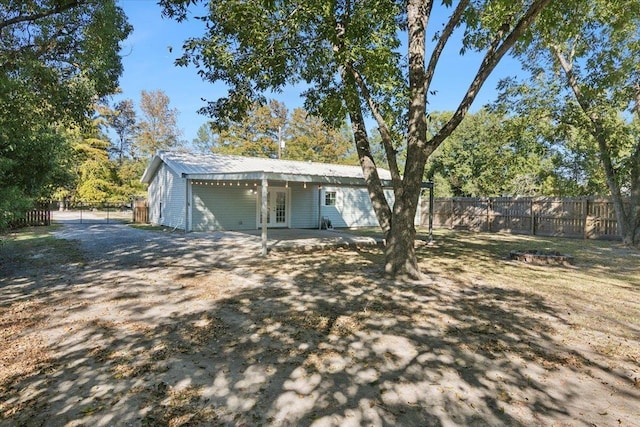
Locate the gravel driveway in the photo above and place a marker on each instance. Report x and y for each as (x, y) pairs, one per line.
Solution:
(129, 327)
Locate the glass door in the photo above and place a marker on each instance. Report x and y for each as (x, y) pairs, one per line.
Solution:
(277, 208)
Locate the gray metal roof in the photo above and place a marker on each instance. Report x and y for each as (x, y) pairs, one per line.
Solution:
(223, 167)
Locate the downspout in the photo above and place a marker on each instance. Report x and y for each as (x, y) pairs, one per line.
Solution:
(319, 207)
(186, 204)
(264, 208)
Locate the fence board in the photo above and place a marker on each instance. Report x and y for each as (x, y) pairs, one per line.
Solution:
(141, 211)
(588, 217)
(32, 218)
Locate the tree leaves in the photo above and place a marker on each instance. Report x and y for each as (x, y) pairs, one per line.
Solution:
(56, 58)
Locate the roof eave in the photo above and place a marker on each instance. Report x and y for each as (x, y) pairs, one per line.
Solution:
(151, 170)
(274, 176)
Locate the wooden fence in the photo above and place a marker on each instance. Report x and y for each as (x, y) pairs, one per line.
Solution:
(140, 211)
(586, 217)
(36, 217)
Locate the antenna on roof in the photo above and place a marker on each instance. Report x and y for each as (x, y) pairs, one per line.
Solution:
(280, 142)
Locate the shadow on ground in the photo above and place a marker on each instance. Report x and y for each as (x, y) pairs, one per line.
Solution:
(149, 329)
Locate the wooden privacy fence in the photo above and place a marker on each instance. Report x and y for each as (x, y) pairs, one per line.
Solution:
(32, 218)
(585, 217)
(140, 211)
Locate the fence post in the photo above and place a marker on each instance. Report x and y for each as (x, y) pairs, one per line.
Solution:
(533, 217)
(489, 208)
(585, 217)
(451, 214)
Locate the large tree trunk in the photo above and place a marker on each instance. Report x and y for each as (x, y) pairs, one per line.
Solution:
(400, 254)
(398, 223)
(627, 214)
(631, 235)
(363, 148)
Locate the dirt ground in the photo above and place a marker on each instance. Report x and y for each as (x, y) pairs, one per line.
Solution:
(108, 325)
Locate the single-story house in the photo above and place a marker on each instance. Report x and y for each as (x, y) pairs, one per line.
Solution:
(207, 192)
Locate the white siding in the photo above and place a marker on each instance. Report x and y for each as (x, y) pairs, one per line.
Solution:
(304, 207)
(167, 198)
(353, 207)
(223, 208)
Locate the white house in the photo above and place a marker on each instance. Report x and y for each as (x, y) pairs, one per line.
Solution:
(206, 192)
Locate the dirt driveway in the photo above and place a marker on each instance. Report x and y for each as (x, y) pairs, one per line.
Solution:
(119, 326)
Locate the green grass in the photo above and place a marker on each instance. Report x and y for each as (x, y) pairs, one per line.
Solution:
(35, 247)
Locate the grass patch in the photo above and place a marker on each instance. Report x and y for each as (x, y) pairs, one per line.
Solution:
(156, 228)
(33, 248)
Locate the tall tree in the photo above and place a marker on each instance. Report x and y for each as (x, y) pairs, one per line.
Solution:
(205, 138)
(493, 155)
(592, 54)
(122, 119)
(158, 129)
(257, 134)
(270, 131)
(542, 117)
(348, 53)
(309, 138)
(56, 58)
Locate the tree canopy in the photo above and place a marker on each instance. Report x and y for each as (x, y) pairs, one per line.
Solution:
(272, 131)
(349, 55)
(587, 66)
(56, 58)
(158, 129)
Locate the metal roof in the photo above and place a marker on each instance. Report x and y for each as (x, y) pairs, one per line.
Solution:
(224, 167)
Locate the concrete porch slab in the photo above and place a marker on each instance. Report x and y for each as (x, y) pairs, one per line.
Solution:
(305, 240)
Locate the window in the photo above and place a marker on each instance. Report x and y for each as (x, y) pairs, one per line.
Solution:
(330, 198)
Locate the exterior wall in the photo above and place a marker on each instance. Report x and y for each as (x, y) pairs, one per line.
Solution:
(235, 208)
(353, 207)
(167, 198)
(223, 208)
(304, 207)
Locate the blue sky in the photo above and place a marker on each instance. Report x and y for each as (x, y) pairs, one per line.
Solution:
(149, 65)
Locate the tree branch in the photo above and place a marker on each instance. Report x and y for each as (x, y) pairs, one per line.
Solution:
(598, 131)
(491, 59)
(43, 14)
(387, 140)
(442, 41)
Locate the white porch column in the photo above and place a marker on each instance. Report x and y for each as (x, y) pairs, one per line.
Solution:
(265, 210)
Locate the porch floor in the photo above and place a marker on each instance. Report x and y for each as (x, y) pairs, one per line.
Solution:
(310, 239)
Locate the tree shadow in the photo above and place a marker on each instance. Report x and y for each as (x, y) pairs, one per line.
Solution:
(162, 333)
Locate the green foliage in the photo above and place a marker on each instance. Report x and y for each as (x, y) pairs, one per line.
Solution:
(268, 127)
(97, 177)
(587, 65)
(347, 54)
(309, 138)
(492, 155)
(55, 60)
(158, 129)
(122, 119)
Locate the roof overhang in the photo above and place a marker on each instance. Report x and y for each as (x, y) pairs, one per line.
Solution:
(150, 171)
(275, 176)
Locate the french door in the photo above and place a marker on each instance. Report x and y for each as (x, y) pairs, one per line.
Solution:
(277, 208)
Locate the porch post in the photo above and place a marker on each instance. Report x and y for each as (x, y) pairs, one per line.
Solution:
(431, 213)
(264, 209)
